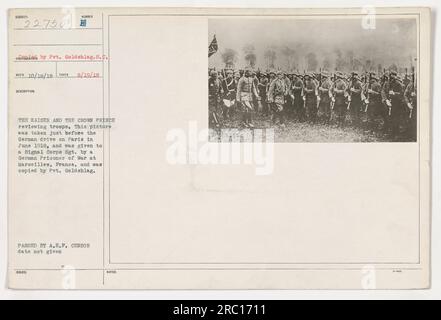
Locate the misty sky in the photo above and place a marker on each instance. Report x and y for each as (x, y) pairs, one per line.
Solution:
(393, 40)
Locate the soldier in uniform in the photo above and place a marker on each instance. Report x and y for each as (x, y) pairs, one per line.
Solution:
(374, 106)
(325, 95)
(214, 96)
(410, 98)
(263, 85)
(310, 94)
(271, 78)
(339, 94)
(355, 98)
(288, 106)
(246, 93)
(229, 87)
(256, 99)
(286, 78)
(296, 95)
(393, 96)
(276, 97)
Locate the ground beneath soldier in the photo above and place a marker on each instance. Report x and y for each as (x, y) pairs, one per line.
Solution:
(295, 132)
(305, 132)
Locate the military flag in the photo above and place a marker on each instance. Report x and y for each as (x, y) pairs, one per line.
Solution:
(212, 48)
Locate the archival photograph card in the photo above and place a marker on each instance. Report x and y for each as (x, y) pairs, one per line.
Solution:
(171, 148)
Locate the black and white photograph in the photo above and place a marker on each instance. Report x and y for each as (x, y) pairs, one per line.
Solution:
(322, 79)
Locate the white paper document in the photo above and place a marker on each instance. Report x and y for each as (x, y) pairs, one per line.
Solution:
(219, 148)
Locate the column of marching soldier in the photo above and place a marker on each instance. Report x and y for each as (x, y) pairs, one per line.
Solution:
(384, 103)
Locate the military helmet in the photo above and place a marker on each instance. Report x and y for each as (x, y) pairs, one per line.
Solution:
(340, 75)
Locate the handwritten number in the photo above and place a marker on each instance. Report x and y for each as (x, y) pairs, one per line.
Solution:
(45, 24)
